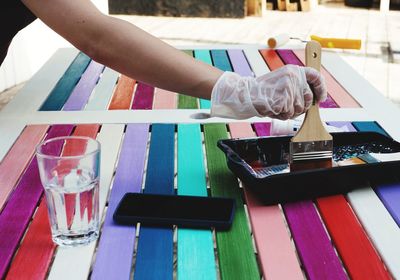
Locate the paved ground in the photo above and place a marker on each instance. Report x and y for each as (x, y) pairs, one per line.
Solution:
(378, 60)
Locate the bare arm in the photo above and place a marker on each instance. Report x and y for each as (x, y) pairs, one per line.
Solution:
(125, 48)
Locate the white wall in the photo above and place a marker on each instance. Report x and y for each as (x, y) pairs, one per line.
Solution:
(31, 48)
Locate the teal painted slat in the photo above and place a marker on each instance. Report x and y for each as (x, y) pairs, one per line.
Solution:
(63, 89)
(369, 126)
(204, 55)
(221, 60)
(195, 247)
(154, 258)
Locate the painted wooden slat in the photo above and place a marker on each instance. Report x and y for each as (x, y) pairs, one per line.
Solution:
(221, 60)
(375, 218)
(256, 62)
(262, 129)
(235, 248)
(80, 257)
(14, 219)
(117, 243)
(380, 226)
(338, 93)
(103, 91)
(37, 241)
(369, 126)
(204, 55)
(185, 101)
(81, 93)
(239, 63)
(37, 89)
(352, 243)
(9, 131)
(17, 159)
(312, 242)
(276, 254)
(195, 247)
(59, 95)
(288, 57)
(389, 191)
(122, 97)
(164, 99)
(154, 257)
(143, 98)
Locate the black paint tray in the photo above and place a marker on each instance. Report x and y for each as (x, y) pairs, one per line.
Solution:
(262, 165)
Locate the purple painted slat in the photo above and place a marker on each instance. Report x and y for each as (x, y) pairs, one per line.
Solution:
(389, 193)
(349, 126)
(143, 98)
(263, 129)
(116, 246)
(83, 89)
(312, 242)
(239, 63)
(16, 215)
(288, 57)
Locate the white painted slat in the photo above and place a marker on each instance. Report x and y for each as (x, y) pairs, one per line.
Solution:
(172, 116)
(36, 90)
(380, 226)
(9, 132)
(75, 263)
(103, 91)
(379, 108)
(256, 62)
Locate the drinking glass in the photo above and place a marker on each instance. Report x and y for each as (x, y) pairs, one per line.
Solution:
(69, 169)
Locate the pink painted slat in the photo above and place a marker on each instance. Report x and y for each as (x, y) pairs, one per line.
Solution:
(312, 242)
(164, 99)
(143, 98)
(14, 219)
(275, 252)
(17, 159)
(338, 93)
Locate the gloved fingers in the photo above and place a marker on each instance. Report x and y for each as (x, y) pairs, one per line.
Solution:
(315, 79)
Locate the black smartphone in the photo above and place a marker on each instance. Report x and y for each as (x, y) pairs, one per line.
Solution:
(168, 210)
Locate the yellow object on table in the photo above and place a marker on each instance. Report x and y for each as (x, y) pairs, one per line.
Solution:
(337, 43)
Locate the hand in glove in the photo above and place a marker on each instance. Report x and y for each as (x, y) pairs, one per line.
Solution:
(281, 94)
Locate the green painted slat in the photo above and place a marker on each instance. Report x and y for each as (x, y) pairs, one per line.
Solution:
(195, 247)
(63, 89)
(235, 248)
(204, 55)
(184, 101)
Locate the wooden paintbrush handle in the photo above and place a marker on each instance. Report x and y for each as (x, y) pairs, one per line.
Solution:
(312, 127)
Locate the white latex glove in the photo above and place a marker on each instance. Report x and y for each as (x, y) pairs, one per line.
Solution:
(280, 94)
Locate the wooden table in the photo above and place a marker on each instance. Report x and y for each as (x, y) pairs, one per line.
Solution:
(151, 142)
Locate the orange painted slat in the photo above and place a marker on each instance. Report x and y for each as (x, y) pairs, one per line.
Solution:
(18, 157)
(272, 59)
(123, 94)
(36, 250)
(275, 251)
(337, 92)
(164, 99)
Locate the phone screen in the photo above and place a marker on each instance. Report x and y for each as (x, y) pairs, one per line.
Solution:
(174, 209)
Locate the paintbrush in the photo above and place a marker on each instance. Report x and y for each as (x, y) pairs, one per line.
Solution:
(312, 146)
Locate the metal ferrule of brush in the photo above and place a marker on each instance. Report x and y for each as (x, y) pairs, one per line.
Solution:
(313, 150)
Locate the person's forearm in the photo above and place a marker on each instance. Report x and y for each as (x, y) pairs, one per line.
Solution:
(138, 54)
(126, 48)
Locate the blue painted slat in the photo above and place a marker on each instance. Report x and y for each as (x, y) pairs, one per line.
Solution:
(155, 247)
(204, 55)
(369, 126)
(63, 89)
(195, 247)
(221, 60)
